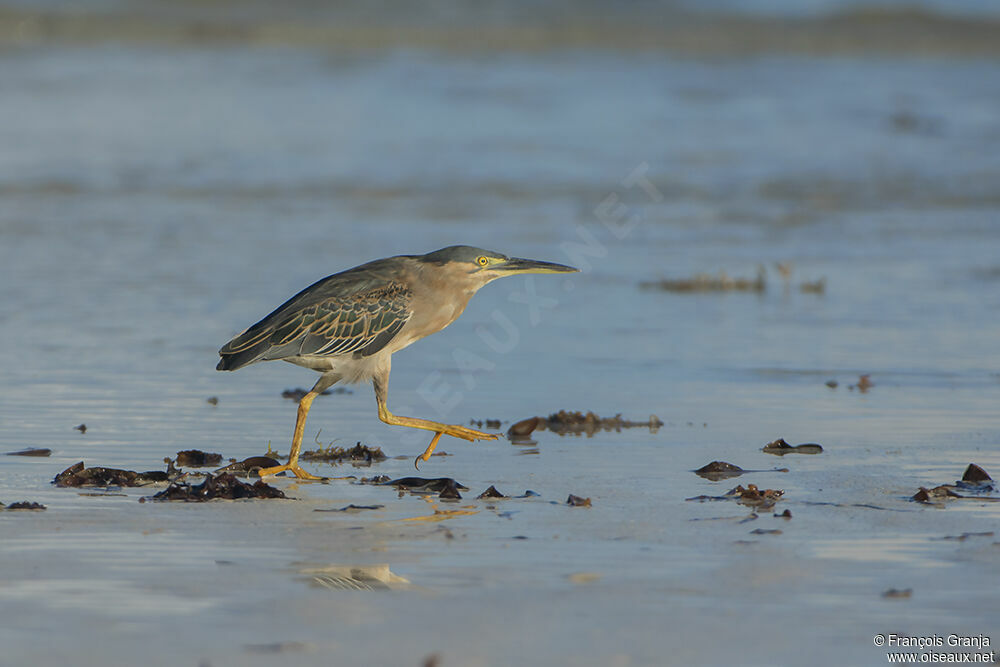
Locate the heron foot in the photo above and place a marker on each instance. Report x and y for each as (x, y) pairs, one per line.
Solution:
(469, 434)
(295, 469)
(454, 431)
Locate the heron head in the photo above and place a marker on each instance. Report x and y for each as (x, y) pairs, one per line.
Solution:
(483, 266)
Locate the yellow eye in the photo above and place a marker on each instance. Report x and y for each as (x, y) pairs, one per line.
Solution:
(482, 261)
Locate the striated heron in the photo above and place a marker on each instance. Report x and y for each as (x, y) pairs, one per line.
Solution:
(346, 326)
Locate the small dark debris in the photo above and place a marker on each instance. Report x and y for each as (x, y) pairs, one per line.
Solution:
(976, 479)
(524, 428)
(278, 647)
(82, 428)
(297, 393)
(79, 475)
(832, 384)
(577, 501)
(359, 452)
(750, 517)
(766, 531)
(31, 452)
(195, 458)
(433, 660)
(225, 486)
(754, 496)
(377, 479)
(963, 537)
(864, 384)
(975, 474)
(717, 470)
(817, 286)
(867, 506)
(704, 282)
(528, 493)
(424, 485)
(488, 423)
(904, 121)
(25, 505)
(908, 122)
(353, 508)
(248, 465)
(779, 448)
(212, 400)
(751, 496)
(450, 492)
(702, 498)
(897, 594)
(787, 514)
(490, 493)
(925, 495)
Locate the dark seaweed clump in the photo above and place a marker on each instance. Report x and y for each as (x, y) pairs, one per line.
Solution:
(225, 486)
(565, 422)
(425, 485)
(25, 505)
(359, 452)
(79, 475)
(779, 448)
(195, 458)
(450, 492)
(750, 495)
(34, 451)
(975, 480)
(717, 470)
(250, 465)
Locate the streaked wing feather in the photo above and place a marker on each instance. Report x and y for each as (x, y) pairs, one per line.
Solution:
(361, 323)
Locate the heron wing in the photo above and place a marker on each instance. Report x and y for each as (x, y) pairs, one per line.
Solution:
(360, 322)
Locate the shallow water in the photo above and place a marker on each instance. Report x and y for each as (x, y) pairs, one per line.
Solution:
(156, 199)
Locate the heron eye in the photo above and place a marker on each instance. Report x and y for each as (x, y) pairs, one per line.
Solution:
(482, 261)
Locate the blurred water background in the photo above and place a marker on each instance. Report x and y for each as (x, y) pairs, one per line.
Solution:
(171, 171)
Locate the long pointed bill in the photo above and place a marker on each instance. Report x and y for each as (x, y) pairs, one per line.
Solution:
(518, 265)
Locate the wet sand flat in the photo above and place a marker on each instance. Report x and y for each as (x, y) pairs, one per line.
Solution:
(159, 195)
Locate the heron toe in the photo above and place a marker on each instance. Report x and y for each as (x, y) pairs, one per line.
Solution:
(468, 433)
(294, 469)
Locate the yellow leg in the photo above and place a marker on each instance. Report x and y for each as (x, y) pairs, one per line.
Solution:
(381, 384)
(428, 425)
(293, 456)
